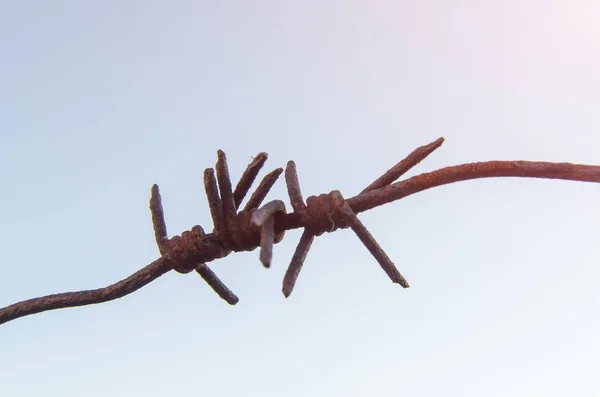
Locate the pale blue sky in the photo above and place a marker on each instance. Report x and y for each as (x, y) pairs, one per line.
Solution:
(98, 100)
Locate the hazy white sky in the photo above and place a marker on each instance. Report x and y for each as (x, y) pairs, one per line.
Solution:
(98, 100)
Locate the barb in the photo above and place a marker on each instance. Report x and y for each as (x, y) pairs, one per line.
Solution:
(253, 227)
(327, 213)
(405, 165)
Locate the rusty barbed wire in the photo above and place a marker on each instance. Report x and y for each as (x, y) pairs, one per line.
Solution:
(254, 226)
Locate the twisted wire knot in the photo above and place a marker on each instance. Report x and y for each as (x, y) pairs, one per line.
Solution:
(180, 249)
(192, 248)
(242, 233)
(326, 213)
(322, 213)
(233, 231)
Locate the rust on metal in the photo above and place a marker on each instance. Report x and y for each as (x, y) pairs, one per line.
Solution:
(257, 226)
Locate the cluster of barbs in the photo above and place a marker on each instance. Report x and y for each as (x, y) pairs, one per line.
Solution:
(255, 225)
(262, 226)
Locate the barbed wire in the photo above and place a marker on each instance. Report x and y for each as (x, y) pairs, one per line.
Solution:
(257, 226)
